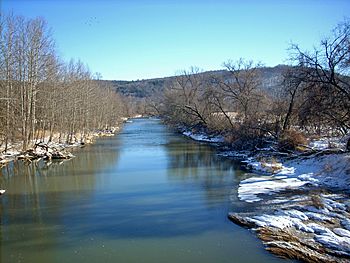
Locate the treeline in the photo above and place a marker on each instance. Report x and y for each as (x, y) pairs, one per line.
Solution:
(41, 96)
(313, 97)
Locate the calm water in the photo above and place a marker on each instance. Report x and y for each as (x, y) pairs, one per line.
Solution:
(145, 195)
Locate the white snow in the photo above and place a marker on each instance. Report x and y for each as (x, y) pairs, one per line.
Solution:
(319, 144)
(317, 217)
(318, 229)
(272, 221)
(263, 166)
(331, 204)
(346, 223)
(234, 154)
(203, 137)
(250, 188)
(281, 220)
(342, 232)
(293, 213)
(327, 143)
(330, 171)
(333, 241)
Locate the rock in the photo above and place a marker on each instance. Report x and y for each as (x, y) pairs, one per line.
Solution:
(286, 244)
(240, 220)
(285, 235)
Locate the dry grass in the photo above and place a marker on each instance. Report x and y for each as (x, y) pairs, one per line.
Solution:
(273, 167)
(316, 201)
(292, 140)
(287, 244)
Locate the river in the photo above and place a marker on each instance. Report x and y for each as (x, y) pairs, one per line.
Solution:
(144, 195)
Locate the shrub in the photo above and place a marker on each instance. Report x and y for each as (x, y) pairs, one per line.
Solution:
(291, 140)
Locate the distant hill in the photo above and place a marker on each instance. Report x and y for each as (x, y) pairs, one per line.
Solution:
(271, 78)
(138, 88)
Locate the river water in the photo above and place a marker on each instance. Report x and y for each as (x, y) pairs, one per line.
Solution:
(144, 195)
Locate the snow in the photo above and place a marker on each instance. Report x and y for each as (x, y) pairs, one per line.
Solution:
(318, 229)
(268, 167)
(250, 188)
(281, 220)
(272, 221)
(203, 137)
(346, 223)
(342, 232)
(291, 194)
(294, 213)
(327, 143)
(331, 204)
(319, 144)
(317, 217)
(331, 171)
(327, 221)
(234, 154)
(262, 166)
(333, 241)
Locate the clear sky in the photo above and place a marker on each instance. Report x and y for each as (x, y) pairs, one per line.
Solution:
(138, 39)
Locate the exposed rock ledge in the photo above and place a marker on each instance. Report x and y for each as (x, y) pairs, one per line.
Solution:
(308, 235)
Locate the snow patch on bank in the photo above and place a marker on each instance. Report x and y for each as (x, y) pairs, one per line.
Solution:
(250, 189)
(328, 226)
(204, 137)
(328, 143)
(317, 217)
(331, 171)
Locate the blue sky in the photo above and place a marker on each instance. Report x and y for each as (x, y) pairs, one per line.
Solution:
(138, 39)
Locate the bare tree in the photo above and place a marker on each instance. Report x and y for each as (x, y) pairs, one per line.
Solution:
(41, 96)
(326, 73)
(187, 100)
(243, 86)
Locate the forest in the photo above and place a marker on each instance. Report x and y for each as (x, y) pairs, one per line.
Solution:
(45, 97)
(42, 96)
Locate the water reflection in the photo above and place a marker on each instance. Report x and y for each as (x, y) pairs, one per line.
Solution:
(147, 189)
(195, 162)
(39, 192)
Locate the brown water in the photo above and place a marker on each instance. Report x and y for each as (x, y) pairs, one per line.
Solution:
(145, 195)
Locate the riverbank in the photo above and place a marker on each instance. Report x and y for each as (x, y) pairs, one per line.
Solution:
(303, 199)
(50, 149)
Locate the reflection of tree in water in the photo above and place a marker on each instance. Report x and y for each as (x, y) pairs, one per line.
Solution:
(38, 194)
(194, 162)
(41, 176)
